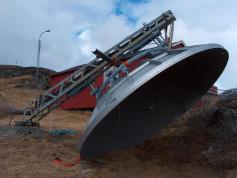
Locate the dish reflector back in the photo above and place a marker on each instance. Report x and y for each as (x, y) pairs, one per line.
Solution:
(135, 111)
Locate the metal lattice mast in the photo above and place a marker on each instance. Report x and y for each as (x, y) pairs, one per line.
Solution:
(86, 75)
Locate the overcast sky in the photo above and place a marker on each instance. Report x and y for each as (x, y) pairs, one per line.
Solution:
(78, 27)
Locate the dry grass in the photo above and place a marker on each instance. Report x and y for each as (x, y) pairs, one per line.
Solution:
(176, 152)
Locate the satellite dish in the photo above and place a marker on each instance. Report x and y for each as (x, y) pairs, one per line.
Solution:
(149, 98)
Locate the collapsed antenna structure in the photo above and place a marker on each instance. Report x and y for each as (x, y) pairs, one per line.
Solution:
(85, 76)
(149, 82)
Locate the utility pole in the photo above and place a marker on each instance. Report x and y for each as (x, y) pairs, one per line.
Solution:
(38, 56)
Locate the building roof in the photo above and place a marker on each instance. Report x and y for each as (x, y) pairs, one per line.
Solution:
(178, 43)
(72, 69)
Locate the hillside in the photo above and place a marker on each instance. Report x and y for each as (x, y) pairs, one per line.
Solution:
(11, 71)
(201, 143)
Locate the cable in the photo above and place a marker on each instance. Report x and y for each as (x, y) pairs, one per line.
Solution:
(16, 36)
(19, 38)
(16, 43)
(19, 42)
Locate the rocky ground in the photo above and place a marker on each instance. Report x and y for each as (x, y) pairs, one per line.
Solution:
(201, 143)
(11, 71)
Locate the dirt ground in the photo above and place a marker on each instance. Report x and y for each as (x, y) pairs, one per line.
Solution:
(175, 152)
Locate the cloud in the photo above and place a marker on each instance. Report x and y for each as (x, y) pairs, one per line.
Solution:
(78, 27)
(226, 37)
(198, 22)
(64, 48)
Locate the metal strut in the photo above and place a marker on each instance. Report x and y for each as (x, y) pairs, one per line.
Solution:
(86, 75)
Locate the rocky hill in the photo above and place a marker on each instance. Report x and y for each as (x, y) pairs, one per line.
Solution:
(11, 71)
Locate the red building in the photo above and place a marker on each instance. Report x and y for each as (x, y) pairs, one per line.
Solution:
(82, 100)
(86, 101)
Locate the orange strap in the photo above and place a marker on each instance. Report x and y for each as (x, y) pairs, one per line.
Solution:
(60, 162)
(125, 63)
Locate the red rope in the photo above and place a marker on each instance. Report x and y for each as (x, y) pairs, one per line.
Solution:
(59, 162)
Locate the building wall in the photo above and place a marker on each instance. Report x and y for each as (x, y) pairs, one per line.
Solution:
(82, 100)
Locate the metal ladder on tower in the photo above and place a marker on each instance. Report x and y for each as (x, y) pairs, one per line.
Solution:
(86, 75)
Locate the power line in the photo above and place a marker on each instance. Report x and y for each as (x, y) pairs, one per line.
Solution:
(19, 42)
(30, 49)
(16, 43)
(17, 36)
(20, 39)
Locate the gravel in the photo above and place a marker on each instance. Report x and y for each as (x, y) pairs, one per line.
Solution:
(14, 131)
